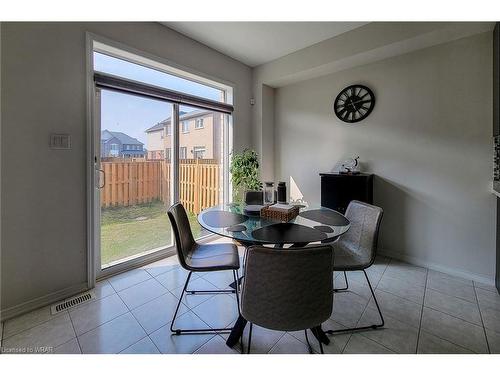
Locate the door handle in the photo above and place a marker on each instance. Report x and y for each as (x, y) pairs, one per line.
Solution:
(103, 178)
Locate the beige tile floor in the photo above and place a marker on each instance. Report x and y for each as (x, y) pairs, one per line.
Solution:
(425, 312)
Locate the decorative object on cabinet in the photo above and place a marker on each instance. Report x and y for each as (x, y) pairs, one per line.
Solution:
(350, 166)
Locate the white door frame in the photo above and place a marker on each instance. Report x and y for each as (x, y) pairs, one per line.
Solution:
(93, 160)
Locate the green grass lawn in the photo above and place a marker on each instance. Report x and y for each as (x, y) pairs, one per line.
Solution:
(127, 231)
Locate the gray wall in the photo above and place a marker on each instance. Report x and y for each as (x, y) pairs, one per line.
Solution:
(428, 140)
(43, 194)
(370, 43)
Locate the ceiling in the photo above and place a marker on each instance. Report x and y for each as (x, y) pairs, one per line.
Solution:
(255, 43)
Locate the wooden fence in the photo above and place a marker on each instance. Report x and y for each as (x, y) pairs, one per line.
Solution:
(134, 182)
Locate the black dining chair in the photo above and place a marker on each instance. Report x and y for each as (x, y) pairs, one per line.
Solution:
(254, 197)
(287, 290)
(356, 249)
(196, 257)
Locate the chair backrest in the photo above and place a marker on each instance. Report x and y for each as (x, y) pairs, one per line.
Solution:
(362, 236)
(184, 239)
(254, 197)
(287, 290)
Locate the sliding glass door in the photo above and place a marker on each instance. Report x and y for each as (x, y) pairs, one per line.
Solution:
(135, 186)
(201, 161)
(151, 150)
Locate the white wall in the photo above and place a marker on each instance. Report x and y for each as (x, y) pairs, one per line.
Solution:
(428, 141)
(43, 192)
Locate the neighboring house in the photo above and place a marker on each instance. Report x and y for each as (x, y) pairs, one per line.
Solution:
(199, 137)
(120, 145)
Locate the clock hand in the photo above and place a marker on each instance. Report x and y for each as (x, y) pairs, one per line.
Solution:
(360, 101)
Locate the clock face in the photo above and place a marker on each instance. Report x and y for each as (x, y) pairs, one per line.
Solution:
(354, 103)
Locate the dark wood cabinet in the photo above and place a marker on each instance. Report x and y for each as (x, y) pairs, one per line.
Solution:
(337, 190)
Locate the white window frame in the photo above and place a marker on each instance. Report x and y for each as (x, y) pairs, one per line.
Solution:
(196, 149)
(198, 123)
(185, 127)
(181, 153)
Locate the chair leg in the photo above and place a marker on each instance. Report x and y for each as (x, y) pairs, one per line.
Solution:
(212, 291)
(249, 337)
(178, 331)
(346, 285)
(308, 343)
(240, 279)
(373, 326)
(235, 276)
(321, 347)
(192, 331)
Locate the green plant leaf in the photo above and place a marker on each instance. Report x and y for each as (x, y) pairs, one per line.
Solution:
(244, 170)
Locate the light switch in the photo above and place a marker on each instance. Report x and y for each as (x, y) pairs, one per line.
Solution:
(60, 142)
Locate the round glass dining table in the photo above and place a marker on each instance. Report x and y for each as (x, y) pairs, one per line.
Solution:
(313, 224)
(235, 221)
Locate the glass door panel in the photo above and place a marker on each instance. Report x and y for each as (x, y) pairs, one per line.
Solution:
(135, 164)
(201, 162)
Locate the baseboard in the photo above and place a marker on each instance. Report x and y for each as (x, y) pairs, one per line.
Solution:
(438, 267)
(36, 303)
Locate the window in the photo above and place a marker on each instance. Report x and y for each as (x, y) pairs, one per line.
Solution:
(199, 152)
(185, 126)
(198, 123)
(168, 153)
(183, 153)
(113, 149)
(169, 129)
(157, 76)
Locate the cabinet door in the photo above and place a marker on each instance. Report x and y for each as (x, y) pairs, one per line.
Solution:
(338, 191)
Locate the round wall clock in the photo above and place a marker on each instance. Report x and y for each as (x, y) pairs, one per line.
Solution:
(354, 103)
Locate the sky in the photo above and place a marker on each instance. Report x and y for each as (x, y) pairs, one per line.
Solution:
(131, 114)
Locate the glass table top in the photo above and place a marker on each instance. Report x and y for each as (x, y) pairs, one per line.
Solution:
(311, 225)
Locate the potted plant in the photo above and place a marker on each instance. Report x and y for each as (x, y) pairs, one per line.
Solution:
(244, 170)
